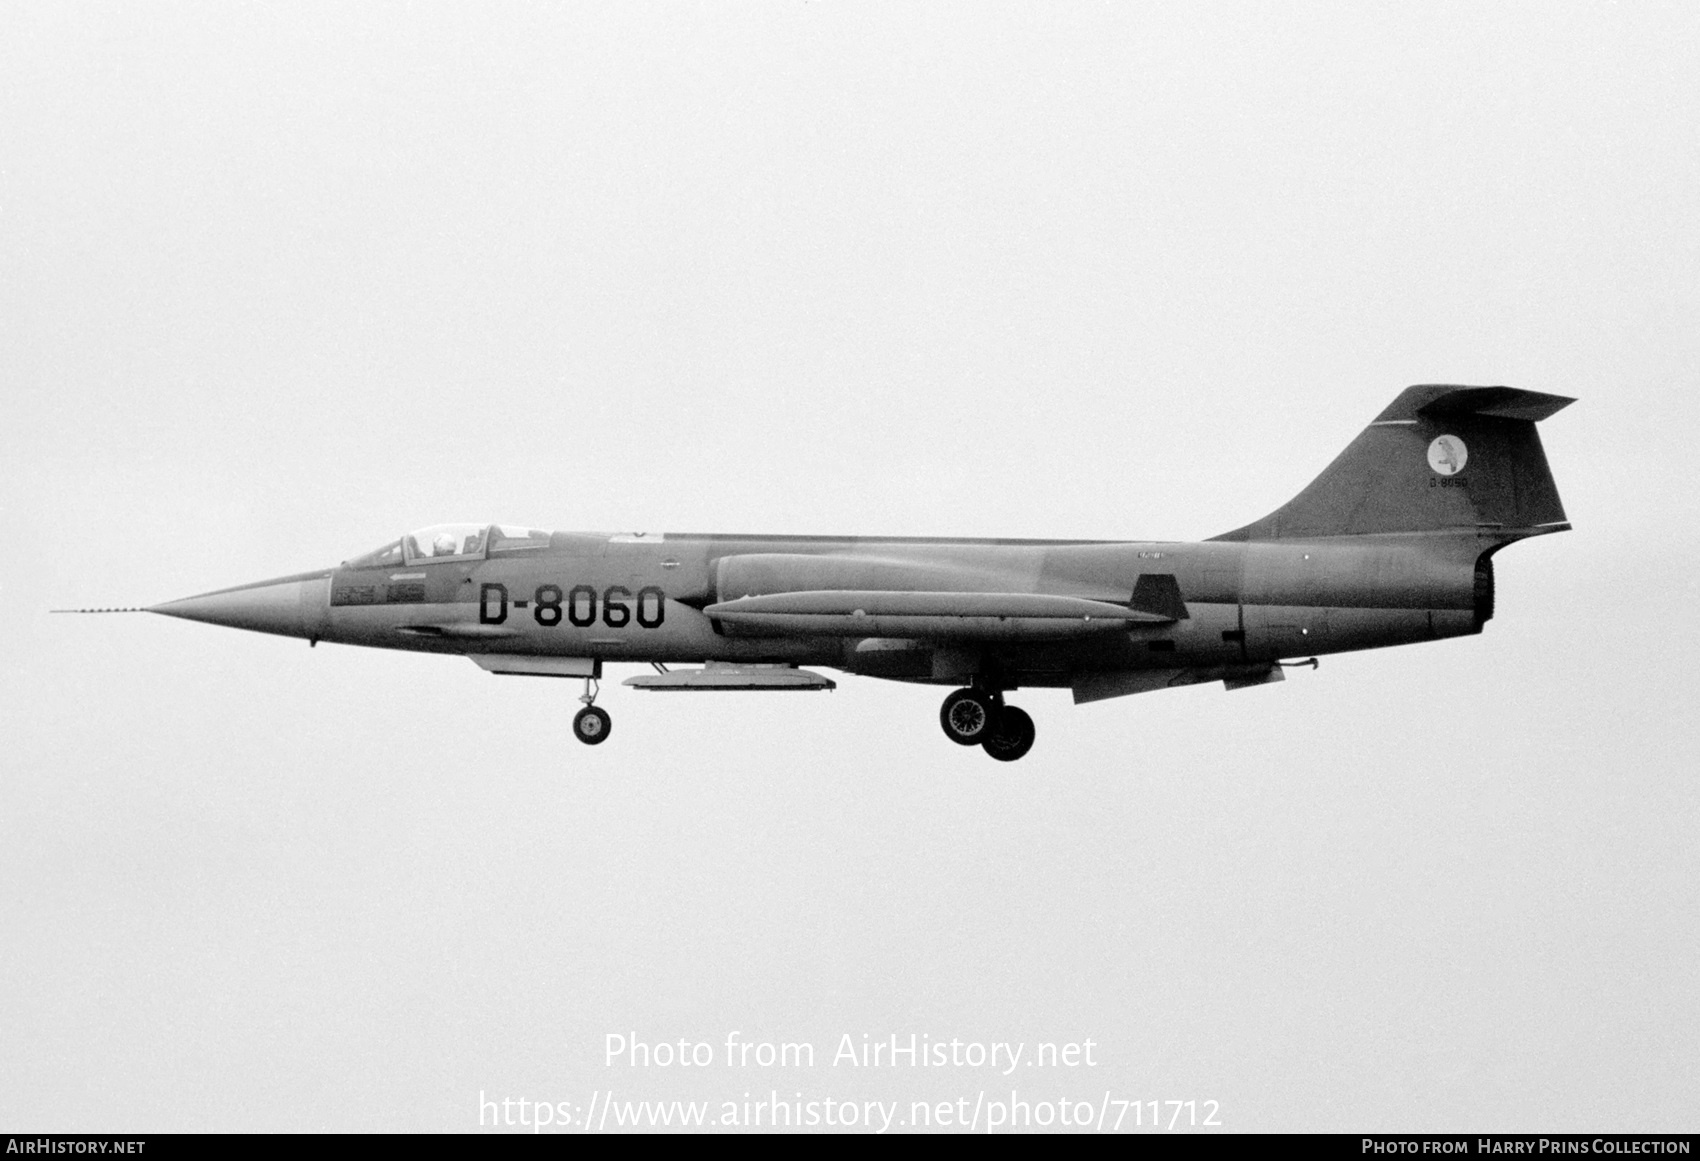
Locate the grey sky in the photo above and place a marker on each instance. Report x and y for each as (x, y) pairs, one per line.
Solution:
(277, 284)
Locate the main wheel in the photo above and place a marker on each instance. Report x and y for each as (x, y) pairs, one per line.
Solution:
(1012, 736)
(967, 716)
(591, 725)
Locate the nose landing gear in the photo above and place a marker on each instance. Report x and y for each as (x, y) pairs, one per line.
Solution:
(590, 724)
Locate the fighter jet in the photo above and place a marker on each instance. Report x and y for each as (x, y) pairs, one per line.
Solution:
(1392, 544)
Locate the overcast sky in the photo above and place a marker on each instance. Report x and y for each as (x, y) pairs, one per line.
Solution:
(280, 283)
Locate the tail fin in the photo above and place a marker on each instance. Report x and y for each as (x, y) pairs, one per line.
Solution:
(1440, 457)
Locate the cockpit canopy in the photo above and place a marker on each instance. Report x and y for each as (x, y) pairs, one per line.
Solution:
(440, 541)
(444, 542)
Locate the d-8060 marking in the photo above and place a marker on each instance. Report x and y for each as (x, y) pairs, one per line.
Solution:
(579, 604)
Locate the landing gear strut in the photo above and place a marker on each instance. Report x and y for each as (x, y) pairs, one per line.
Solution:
(590, 724)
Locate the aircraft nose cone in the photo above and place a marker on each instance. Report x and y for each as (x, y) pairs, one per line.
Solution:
(288, 605)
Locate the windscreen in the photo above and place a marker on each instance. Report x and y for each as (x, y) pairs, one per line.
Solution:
(386, 557)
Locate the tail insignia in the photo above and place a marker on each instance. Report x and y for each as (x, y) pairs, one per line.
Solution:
(1447, 455)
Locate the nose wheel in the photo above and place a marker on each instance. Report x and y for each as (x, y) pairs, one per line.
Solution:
(591, 724)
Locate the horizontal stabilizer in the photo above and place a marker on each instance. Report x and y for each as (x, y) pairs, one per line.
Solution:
(722, 677)
(1498, 402)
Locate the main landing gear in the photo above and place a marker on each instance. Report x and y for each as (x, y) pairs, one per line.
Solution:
(590, 724)
(978, 717)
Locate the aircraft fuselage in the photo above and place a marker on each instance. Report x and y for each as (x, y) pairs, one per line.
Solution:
(1390, 545)
(642, 598)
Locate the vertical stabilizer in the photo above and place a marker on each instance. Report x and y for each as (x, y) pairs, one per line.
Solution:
(1439, 458)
